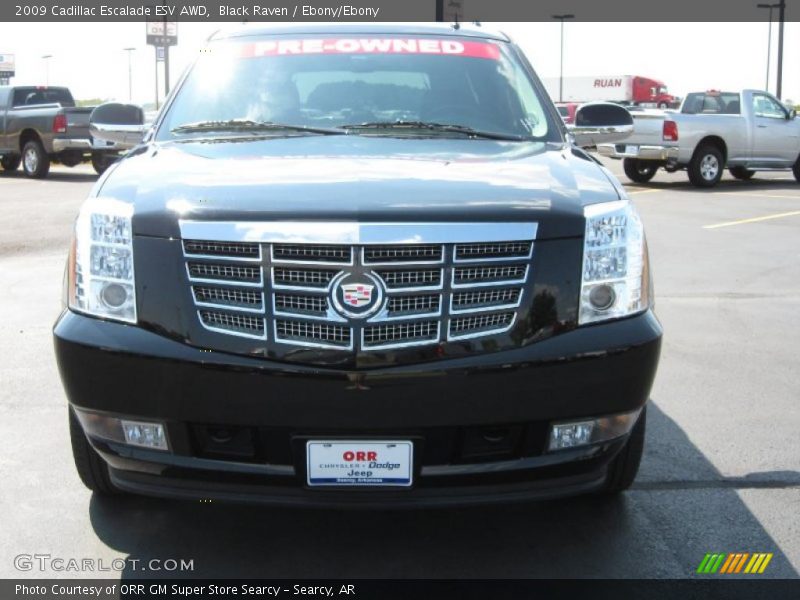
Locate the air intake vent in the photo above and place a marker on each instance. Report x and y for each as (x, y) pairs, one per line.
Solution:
(401, 334)
(224, 272)
(313, 334)
(494, 250)
(237, 250)
(403, 254)
(236, 324)
(299, 277)
(311, 253)
(480, 324)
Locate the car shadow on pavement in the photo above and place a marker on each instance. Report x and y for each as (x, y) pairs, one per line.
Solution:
(680, 508)
(63, 176)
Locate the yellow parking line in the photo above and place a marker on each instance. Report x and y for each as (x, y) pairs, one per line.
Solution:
(753, 220)
(638, 191)
(757, 195)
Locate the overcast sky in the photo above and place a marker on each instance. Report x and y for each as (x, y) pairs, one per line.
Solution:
(89, 57)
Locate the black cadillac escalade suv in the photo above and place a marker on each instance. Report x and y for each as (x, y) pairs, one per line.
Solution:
(359, 265)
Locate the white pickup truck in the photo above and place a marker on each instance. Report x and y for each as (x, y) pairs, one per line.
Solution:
(744, 131)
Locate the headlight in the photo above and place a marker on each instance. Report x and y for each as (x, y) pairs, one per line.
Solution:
(616, 275)
(100, 271)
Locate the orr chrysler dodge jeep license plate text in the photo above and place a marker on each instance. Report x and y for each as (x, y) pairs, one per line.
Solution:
(361, 463)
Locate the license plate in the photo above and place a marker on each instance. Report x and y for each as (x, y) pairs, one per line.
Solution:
(359, 463)
(634, 150)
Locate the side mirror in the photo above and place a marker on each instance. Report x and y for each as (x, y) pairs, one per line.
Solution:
(121, 124)
(601, 123)
(792, 114)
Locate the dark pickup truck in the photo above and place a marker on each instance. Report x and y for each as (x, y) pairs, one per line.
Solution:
(41, 124)
(359, 265)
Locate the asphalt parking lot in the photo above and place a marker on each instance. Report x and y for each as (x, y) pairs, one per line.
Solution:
(721, 471)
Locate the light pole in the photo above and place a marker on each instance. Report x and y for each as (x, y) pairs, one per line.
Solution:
(769, 38)
(130, 74)
(46, 58)
(562, 18)
(781, 19)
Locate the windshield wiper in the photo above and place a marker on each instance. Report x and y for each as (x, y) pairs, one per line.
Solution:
(430, 126)
(247, 125)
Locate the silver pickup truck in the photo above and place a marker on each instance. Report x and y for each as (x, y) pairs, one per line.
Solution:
(744, 131)
(40, 124)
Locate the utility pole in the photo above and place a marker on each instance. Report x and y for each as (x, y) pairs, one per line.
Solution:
(130, 74)
(562, 18)
(781, 19)
(769, 38)
(166, 61)
(47, 58)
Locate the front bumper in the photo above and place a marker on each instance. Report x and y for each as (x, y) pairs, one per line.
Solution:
(642, 152)
(441, 406)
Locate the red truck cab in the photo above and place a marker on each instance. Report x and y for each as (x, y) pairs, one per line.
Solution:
(652, 91)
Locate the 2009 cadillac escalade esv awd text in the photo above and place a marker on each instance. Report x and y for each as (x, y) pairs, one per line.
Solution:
(359, 265)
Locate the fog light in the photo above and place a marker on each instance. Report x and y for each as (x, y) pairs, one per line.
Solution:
(602, 297)
(594, 431)
(134, 433)
(146, 435)
(114, 295)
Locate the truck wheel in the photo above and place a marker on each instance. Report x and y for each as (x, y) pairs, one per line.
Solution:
(35, 161)
(10, 162)
(741, 173)
(705, 169)
(92, 469)
(639, 171)
(796, 169)
(625, 465)
(663, 105)
(100, 162)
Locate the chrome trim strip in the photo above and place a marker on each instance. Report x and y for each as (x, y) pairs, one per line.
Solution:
(481, 309)
(482, 333)
(328, 232)
(234, 333)
(197, 302)
(231, 282)
(404, 344)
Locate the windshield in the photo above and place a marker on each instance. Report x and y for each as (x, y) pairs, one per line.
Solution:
(321, 83)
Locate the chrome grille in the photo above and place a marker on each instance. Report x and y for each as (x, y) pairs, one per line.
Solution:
(397, 254)
(404, 305)
(462, 327)
(495, 250)
(243, 325)
(227, 272)
(314, 334)
(417, 278)
(401, 334)
(299, 277)
(312, 253)
(295, 303)
(237, 250)
(429, 293)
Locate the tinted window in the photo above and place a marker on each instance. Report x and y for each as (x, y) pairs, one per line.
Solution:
(335, 82)
(716, 103)
(31, 96)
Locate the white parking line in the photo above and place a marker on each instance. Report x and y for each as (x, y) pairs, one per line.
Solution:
(756, 194)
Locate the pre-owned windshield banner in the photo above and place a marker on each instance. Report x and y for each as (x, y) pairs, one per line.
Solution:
(453, 11)
(370, 45)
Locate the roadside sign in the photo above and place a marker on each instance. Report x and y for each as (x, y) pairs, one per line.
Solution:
(162, 33)
(6, 66)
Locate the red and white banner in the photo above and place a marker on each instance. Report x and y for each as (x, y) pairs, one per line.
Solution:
(439, 46)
